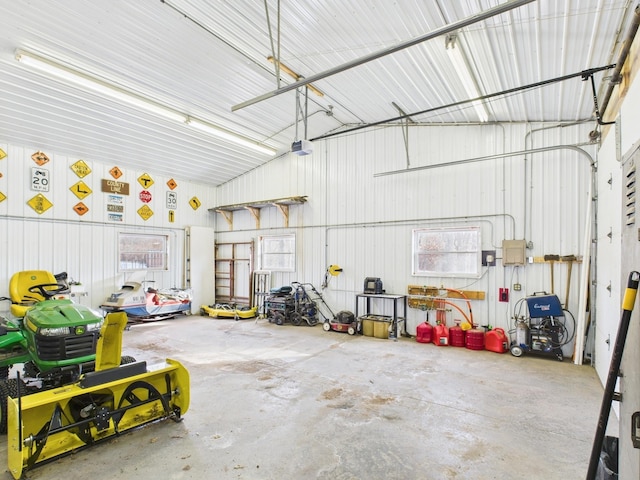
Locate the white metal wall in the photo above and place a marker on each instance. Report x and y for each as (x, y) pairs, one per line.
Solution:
(87, 246)
(363, 223)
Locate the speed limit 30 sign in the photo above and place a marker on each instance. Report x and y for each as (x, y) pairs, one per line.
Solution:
(172, 200)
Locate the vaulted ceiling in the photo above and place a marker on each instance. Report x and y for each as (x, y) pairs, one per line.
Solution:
(209, 60)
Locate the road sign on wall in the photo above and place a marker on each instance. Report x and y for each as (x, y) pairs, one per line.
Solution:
(145, 196)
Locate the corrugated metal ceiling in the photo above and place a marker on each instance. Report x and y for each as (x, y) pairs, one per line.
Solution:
(202, 57)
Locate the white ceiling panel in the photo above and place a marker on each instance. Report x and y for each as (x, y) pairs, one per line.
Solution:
(203, 57)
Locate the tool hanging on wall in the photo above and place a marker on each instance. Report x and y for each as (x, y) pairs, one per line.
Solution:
(569, 259)
(552, 259)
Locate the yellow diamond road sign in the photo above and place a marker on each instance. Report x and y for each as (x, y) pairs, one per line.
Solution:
(81, 169)
(145, 180)
(195, 203)
(40, 203)
(81, 190)
(3, 197)
(145, 212)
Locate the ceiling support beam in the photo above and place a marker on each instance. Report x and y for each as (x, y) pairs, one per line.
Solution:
(452, 27)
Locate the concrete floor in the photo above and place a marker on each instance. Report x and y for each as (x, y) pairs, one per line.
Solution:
(285, 402)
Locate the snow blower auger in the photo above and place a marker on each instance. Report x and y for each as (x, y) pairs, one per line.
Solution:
(113, 398)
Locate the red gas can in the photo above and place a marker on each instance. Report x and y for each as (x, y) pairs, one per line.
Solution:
(475, 339)
(496, 341)
(424, 333)
(441, 335)
(457, 336)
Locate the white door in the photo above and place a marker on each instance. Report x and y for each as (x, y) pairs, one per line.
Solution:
(199, 266)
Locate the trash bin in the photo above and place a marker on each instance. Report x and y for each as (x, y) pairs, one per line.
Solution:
(608, 464)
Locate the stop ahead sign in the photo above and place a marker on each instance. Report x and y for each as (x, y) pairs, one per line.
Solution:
(145, 196)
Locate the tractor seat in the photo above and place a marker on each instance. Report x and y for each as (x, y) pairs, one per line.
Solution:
(21, 298)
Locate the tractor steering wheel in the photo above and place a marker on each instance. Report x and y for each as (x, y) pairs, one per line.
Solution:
(49, 290)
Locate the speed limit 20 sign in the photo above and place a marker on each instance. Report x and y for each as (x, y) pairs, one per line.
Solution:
(39, 179)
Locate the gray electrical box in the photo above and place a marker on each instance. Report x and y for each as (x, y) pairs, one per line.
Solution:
(513, 252)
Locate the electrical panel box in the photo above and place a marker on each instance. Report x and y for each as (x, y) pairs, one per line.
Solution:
(513, 252)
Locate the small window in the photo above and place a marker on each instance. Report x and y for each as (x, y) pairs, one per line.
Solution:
(143, 252)
(447, 252)
(277, 253)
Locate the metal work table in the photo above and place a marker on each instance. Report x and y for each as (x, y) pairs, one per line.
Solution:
(396, 300)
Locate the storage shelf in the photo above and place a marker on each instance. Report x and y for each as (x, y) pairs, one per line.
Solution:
(281, 204)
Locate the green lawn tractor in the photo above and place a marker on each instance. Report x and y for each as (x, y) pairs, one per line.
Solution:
(75, 387)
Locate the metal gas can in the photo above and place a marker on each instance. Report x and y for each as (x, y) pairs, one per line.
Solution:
(475, 339)
(457, 336)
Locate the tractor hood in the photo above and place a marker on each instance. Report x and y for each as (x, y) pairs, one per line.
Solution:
(62, 314)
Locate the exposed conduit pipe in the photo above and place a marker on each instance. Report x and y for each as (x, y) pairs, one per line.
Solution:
(624, 53)
(586, 247)
(490, 157)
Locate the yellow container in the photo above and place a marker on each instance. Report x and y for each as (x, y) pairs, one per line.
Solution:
(381, 329)
(367, 327)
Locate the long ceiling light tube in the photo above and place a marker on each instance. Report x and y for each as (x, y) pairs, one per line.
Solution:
(230, 136)
(91, 83)
(469, 83)
(452, 27)
(96, 85)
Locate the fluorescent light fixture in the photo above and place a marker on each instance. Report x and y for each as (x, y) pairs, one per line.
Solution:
(466, 77)
(96, 85)
(230, 136)
(89, 82)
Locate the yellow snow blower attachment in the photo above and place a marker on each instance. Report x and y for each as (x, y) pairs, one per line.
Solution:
(106, 402)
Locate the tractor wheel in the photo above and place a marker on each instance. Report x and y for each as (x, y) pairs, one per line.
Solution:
(124, 359)
(10, 387)
(4, 373)
(326, 326)
(296, 319)
(278, 318)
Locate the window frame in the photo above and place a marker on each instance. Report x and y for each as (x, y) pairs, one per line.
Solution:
(156, 260)
(267, 254)
(448, 251)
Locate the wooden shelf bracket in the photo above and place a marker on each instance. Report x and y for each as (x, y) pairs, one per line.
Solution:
(282, 204)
